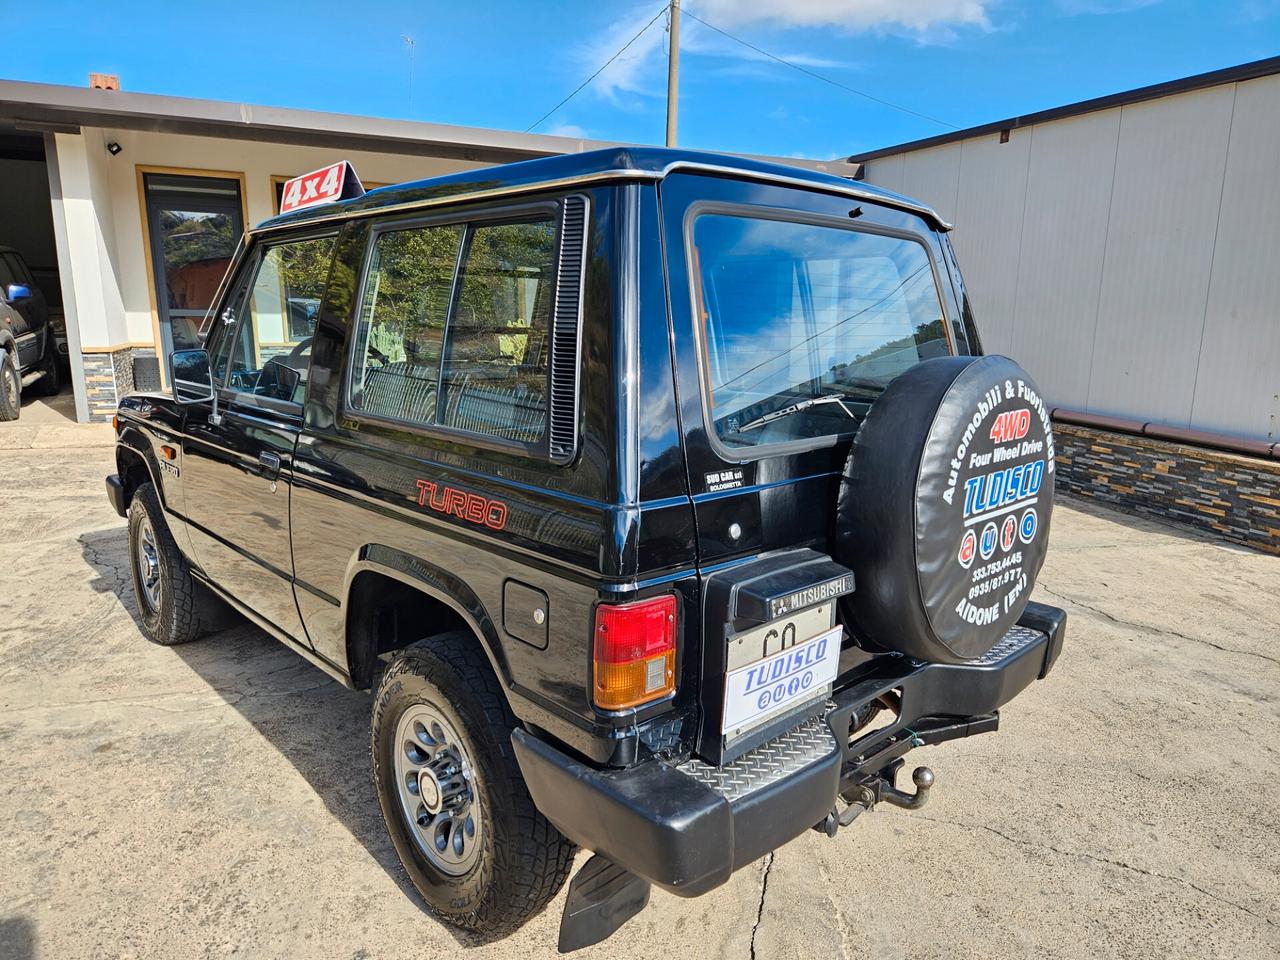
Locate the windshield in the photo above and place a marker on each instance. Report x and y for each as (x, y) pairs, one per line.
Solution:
(796, 311)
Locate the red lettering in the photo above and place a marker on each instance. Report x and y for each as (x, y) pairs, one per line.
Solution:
(455, 503)
(496, 518)
(465, 506)
(1012, 425)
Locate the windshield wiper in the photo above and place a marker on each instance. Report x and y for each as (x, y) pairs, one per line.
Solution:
(797, 407)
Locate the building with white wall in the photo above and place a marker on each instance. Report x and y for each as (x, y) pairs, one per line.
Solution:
(1126, 250)
(128, 206)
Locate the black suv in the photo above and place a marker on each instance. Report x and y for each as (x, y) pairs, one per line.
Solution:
(27, 340)
(664, 499)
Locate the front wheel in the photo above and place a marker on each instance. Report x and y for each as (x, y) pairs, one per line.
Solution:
(451, 793)
(170, 601)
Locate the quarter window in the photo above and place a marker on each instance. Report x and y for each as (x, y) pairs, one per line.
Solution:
(454, 326)
(401, 332)
(495, 363)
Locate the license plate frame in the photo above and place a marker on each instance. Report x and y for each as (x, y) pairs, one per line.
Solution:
(767, 688)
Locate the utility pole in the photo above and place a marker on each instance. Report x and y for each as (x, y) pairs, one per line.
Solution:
(673, 74)
(413, 49)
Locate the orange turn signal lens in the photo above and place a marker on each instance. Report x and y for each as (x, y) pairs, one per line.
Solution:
(635, 652)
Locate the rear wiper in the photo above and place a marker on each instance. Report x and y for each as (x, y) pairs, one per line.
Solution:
(797, 407)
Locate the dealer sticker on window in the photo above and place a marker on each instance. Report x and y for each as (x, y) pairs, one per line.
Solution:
(795, 674)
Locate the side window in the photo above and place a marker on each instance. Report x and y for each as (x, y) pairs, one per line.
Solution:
(7, 276)
(266, 348)
(402, 316)
(495, 369)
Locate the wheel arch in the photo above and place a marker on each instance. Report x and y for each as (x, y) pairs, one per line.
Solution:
(394, 600)
(134, 464)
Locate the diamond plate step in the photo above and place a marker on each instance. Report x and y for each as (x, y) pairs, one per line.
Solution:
(767, 763)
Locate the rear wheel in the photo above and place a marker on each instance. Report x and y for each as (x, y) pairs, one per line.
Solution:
(170, 602)
(455, 804)
(10, 387)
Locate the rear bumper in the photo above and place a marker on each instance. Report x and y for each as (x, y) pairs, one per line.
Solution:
(116, 494)
(688, 826)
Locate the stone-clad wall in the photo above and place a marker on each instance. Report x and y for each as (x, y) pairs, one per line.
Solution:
(100, 385)
(1233, 496)
(108, 377)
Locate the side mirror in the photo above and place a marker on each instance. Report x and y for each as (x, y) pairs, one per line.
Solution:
(192, 381)
(17, 291)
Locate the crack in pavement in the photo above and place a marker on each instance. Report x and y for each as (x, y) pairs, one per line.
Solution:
(102, 564)
(1033, 844)
(827, 885)
(764, 888)
(1149, 629)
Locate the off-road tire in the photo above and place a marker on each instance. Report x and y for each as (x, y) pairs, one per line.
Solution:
(10, 387)
(523, 860)
(182, 613)
(50, 381)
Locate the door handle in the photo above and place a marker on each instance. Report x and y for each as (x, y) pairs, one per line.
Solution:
(268, 466)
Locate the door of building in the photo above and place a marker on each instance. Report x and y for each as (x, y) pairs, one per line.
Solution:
(194, 224)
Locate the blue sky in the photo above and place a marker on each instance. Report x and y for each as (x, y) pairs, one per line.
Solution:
(504, 63)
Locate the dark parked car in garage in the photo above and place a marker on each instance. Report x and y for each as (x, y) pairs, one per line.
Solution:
(26, 337)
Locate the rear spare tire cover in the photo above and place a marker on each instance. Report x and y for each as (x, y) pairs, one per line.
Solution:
(944, 507)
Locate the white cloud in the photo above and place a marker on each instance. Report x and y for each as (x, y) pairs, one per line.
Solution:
(914, 16)
(640, 69)
(568, 130)
(639, 72)
(627, 74)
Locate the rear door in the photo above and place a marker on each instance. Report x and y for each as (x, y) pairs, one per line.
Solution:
(237, 465)
(791, 310)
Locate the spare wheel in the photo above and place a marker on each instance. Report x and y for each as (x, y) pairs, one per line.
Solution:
(944, 507)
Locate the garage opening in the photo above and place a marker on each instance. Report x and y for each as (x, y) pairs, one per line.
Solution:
(26, 226)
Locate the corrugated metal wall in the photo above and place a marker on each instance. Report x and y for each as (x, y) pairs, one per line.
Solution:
(1129, 258)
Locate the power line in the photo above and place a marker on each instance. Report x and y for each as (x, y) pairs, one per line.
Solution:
(817, 76)
(578, 88)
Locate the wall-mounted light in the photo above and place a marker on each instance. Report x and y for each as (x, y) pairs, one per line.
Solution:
(114, 148)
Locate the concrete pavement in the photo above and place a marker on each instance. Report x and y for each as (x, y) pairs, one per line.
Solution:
(214, 799)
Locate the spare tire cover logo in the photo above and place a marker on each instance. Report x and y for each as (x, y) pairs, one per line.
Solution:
(989, 504)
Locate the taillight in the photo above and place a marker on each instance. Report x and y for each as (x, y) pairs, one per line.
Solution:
(635, 652)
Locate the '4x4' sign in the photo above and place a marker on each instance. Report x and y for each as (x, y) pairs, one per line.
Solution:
(337, 181)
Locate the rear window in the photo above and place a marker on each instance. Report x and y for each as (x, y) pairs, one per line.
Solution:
(804, 325)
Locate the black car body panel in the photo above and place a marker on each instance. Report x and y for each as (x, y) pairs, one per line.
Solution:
(291, 508)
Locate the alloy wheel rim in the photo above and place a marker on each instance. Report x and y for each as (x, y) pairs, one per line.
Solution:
(436, 783)
(148, 560)
(10, 386)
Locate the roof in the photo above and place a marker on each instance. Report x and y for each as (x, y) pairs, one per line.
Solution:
(567, 170)
(62, 108)
(1214, 78)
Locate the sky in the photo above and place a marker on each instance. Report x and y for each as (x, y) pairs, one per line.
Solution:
(504, 63)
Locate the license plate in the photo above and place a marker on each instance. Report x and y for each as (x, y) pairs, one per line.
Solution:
(767, 687)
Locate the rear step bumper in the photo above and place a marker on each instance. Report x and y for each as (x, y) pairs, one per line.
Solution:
(688, 826)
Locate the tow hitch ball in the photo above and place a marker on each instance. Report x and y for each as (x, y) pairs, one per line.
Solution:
(863, 797)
